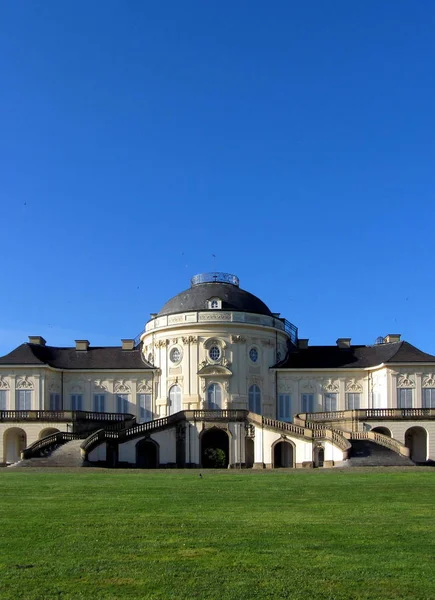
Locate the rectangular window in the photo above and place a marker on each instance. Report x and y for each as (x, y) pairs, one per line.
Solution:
(99, 402)
(307, 403)
(122, 403)
(55, 403)
(284, 407)
(24, 400)
(377, 400)
(330, 402)
(3, 400)
(76, 402)
(428, 397)
(145, 407)
(404, 398)
(353, 401)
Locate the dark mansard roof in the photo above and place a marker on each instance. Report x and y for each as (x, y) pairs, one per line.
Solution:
(354, 357)
(98, 357)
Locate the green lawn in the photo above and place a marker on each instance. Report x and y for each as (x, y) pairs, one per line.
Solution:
(170, 534)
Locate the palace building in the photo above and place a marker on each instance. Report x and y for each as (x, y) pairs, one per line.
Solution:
(217, 379)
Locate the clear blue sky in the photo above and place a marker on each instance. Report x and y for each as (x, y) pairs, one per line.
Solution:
(293, 140)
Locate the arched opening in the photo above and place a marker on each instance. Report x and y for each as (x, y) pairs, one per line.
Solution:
(249, 453)
(214, 396)
(254, 397)
(383, 430)
(147, 454)
(283, 455)
(174, 399)
(47, 431)
(318, 457)
(15, 440)
(416, 441)
(215, 449)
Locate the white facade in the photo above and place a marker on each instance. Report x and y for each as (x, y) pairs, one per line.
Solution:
(210, 351)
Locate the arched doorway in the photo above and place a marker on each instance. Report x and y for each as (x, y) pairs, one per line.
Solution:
(48, 431)
(383, 430)
(283, 455)
(14, 440)
(318, 457)
(416, 441)
(215, 449)
(249, 453)
(147, 454)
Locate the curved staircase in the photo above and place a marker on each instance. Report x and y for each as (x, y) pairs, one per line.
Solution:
(66, 455)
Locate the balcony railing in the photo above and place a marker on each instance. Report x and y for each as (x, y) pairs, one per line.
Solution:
(67, 416)
(368, 413)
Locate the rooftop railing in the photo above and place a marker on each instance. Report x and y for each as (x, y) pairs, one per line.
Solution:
(214, 277)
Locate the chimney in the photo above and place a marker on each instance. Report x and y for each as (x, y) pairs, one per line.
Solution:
(303, 343)
(343, 342)
(392, 337)
(37, 339)
(127, 344)
(82, 345)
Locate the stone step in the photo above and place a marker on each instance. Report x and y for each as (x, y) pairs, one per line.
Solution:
(67, 455)
(366, 453)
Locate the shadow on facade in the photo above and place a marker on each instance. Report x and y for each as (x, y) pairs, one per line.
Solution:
(147, 454)
(211, 441)
(283, 455)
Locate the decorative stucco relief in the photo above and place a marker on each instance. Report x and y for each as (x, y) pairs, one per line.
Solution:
(353, 386)
(285, 385)
(308, 388)
(4, 383)
(429, 380)
(100, 384)
(331, 386)
(121, 386)
(215, 317)
(144, 386)
(161, 343)
(23, 383)
(238, 339)
(405, 381)
(189, 339)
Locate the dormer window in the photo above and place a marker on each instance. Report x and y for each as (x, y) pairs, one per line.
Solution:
(215, 303)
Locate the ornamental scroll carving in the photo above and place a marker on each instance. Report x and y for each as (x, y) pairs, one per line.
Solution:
(428, 381)
(238, 339)
(331, 386)
(353, 386)
(189, 339)
(23, 383)
(102, 385)
(308, 388)
(144, 386)
(4, 385)
(162, 343)
(405, 381)
(121, 386)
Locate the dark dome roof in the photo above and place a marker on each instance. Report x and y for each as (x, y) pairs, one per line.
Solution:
(233, 298)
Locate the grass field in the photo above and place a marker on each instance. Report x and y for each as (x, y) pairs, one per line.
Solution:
(170, 534)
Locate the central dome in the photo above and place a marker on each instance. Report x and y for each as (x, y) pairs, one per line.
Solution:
(222, 286)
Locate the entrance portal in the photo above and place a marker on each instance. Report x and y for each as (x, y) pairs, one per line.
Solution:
(15, 440)
(283, 455)
(215, 449)
(147, 454)
(416, 441)
(318, 457)
(249, 453)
